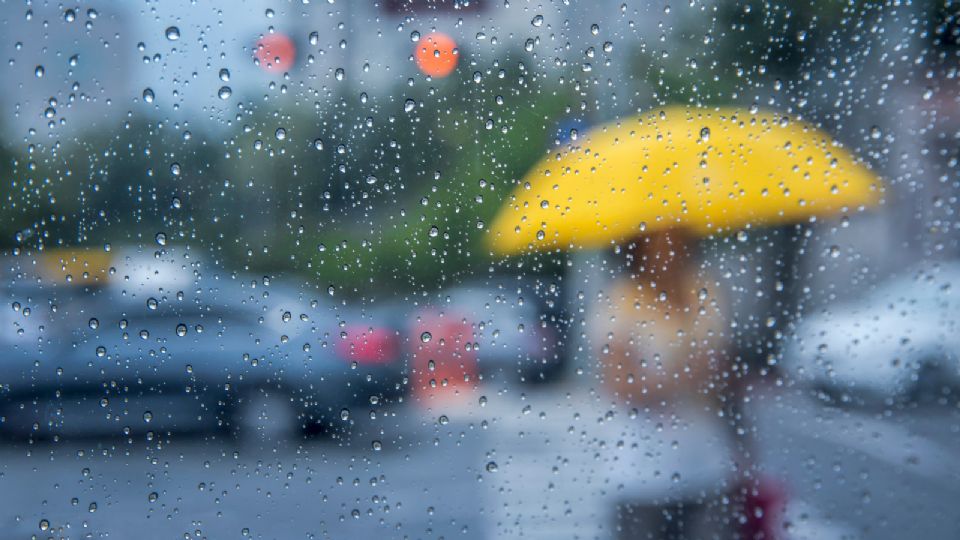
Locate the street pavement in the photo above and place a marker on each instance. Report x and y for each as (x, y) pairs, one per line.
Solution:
(501, 461)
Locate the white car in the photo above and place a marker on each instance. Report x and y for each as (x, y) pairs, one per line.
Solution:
(902, 336)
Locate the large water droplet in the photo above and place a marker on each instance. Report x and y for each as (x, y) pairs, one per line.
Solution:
(172, 33)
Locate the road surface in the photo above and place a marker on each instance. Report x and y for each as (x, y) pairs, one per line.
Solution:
(504, 462)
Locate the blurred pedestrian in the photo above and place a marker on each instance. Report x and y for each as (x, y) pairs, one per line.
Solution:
(663, 346)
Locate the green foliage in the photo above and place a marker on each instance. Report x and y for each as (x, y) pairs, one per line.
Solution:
(388, 192)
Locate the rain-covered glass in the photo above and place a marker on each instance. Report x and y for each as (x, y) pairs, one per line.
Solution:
(598, 269)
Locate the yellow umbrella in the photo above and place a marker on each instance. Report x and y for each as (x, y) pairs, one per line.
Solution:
(709, 170)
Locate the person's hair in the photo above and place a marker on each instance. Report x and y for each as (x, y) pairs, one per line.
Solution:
(664, 257)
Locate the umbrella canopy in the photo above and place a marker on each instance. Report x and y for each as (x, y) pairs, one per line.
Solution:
(710, 170)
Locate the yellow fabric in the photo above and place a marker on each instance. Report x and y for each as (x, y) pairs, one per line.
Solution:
(710, 170)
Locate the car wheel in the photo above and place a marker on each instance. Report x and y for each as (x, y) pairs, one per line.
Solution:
(933, 384)
(550, 371)
(265, 415)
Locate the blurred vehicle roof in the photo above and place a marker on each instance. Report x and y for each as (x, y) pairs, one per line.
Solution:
(880, 341)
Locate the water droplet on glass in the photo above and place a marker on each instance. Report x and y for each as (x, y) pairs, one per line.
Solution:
(161, 239)
(152, 303)
(39, 71)
(426, 337)
(705, 134)
(148, 95)
(492, 467)
(281, 134)
(94, 323)
(172, 33)
(225, 92)
(181, 329)
(175, 169)
(537, 21)
(409, 105)
(224, 74)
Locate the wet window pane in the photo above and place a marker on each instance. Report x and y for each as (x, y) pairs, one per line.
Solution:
(479, 269)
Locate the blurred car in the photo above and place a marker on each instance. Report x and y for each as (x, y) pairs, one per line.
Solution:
(517, 326)
(897, 341)
(168, 344)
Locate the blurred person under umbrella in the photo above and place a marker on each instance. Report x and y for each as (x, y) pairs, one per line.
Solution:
(653, 184)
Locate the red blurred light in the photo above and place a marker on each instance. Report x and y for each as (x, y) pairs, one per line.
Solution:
(369, 345)
(275, 53)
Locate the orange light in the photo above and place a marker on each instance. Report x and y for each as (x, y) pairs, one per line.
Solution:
(437, 55)
(275, 53)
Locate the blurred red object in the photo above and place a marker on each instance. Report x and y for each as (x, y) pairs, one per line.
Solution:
(369, 345)
(765, 503)
(444, 360)
(436, 54)
(275, 53)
